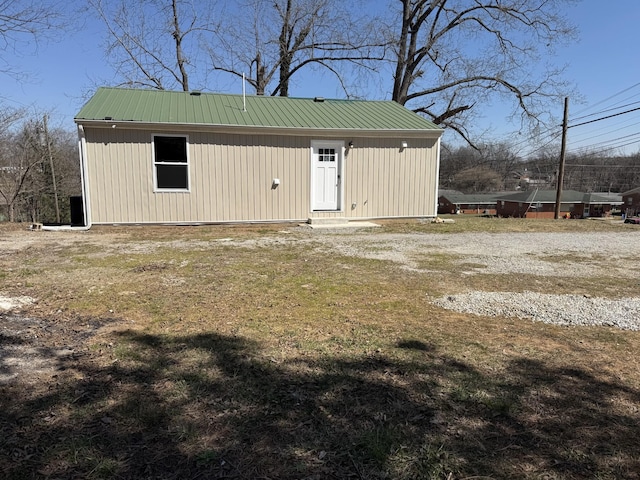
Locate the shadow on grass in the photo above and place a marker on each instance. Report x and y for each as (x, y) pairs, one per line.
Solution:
(212, 406)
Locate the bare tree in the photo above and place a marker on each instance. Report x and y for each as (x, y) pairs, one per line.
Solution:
(501, 158)
(494, 163)
(22, 22)
(58, 178)
(152, 43)
(602, 172)
(16, 160)
(30, 153)
(452, 57)
(477, 180)
(282, 37)
(455, 160)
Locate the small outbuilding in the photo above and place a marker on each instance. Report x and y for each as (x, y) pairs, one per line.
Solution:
(162, 157)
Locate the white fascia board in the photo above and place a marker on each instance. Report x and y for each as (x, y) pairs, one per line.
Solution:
(259, 130)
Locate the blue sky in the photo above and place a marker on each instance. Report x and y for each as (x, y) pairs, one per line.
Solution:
(604, 65)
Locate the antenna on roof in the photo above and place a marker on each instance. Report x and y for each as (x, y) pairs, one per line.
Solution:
(244, 99)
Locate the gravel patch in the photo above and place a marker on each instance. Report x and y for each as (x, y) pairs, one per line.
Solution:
(545, 254)
(572, 310)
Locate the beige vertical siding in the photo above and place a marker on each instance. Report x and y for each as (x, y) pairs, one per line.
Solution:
(231, 177)
(383, 181)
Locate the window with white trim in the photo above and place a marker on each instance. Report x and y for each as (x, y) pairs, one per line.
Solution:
(170, 162)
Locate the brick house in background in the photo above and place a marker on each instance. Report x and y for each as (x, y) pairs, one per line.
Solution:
(541, 204)
(631, 202)
(451, 201)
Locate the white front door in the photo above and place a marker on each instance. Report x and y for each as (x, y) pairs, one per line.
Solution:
(326, 167)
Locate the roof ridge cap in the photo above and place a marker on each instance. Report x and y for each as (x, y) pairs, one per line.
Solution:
(252, 96)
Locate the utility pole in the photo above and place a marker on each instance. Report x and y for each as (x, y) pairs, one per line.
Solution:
(563, 150)
(53, 172)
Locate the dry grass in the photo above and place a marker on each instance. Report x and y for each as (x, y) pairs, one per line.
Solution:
(473, 223)
(197, 357)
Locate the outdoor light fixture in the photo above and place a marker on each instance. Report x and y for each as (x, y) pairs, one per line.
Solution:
(403, 145)
(351, 144)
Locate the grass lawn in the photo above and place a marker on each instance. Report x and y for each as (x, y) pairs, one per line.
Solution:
(249, 352)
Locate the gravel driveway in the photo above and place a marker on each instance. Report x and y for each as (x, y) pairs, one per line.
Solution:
(609, 254)
(543, 254)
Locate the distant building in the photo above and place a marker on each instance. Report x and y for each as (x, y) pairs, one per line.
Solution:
(451, 201)
(541, 204)
(631, 202)
(528, 180)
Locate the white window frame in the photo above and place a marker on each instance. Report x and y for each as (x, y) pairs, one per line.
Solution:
(155, 164)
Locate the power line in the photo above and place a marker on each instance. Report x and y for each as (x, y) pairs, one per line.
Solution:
(604, 118)
(613, 147)
(589, 138)
(608, 98)
(605, 111)
(542, 147)
(590, 134)
(614, 139)
(554, 136)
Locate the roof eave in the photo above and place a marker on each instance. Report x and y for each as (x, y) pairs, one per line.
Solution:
(434, 133)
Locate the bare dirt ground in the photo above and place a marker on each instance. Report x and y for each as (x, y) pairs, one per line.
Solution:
(33, 349)
(37, 343)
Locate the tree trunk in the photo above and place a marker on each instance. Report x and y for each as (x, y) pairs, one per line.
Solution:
(400, 86)
(285, 67)
(261, 83)
(285, 55)
(177, 35)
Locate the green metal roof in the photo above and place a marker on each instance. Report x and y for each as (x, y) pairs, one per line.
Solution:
(473, 198)
(549, 196)
(195, 108)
